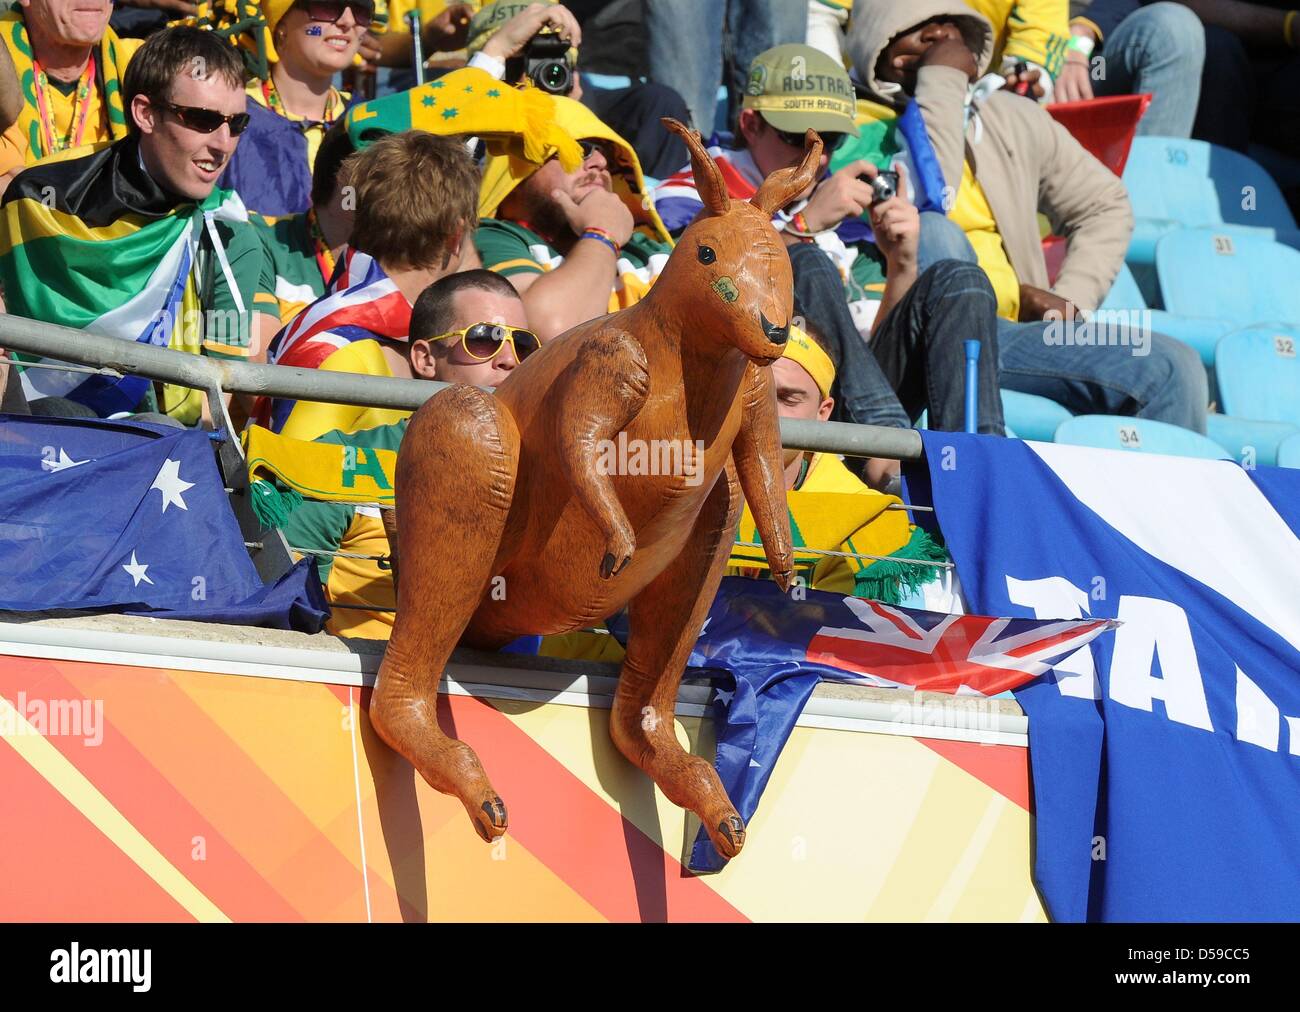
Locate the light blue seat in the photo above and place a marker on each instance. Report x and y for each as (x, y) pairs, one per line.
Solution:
(1259, 372)
(1228, 276)
(1200, 332)
(1032, 417)
(1248, 439)
(605, 82)
(1142, 435)
(1288, 454)
(1178, 183)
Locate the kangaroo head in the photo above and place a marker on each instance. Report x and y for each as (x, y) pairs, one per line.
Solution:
(731, 264)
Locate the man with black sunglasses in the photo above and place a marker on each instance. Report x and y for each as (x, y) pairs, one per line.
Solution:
(172, 260)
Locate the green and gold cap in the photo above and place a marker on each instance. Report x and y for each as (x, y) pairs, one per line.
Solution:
(798, 87)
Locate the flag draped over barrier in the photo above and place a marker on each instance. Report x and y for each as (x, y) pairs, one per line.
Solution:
(134, 518)
(777, 649)
(1166, 759)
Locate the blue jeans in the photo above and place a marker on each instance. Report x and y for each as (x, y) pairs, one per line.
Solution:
(1160, 50)
(686, 45)
(1167, 384)
(916, 360)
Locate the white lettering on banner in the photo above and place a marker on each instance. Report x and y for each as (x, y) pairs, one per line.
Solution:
(1258, 718)
(1057, 597)
(1152, 625)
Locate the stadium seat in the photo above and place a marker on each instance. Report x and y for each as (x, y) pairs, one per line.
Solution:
(1244, 278)
(1249, 440)
(1259, 372)
(1288, 454)
(1116, 432)
(1201, 333)
(1105, 126)
(1174, 183)
(1032, 417)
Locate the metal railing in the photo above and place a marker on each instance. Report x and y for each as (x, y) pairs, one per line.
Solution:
(215, 376)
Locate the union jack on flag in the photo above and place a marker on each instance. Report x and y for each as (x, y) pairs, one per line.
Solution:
(361, 303)
(959, 654)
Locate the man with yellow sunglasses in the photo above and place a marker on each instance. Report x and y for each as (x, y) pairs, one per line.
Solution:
(465, 328)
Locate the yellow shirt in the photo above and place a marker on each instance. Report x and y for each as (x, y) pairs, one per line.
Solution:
(15, 146)
(1036, 31)
(310, 419)
(973, 215)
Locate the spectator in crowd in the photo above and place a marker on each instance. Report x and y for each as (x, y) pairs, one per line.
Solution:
(1124, 47)
(135, 241)
(915, 320)
(69, 67)
(829, 506)
(415, 196)
(466, 328)
(501, 31)
(303, 249)
(1021, 161)
(308, 43)
(1250, 90)
(687, 46)
(1033, 32)
(576, 245)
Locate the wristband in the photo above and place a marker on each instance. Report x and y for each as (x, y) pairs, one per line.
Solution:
(600, 235)
(798, 227)
(1288, 29)
(1081, 44)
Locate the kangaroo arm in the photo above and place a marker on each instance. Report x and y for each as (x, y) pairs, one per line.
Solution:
(601, 393)
(757, 453)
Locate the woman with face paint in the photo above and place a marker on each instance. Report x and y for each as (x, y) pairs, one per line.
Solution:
(309, 42)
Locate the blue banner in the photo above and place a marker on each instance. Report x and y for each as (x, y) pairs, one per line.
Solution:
(131, 518)
(1166, 758)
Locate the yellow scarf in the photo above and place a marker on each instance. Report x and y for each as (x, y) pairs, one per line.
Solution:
(107, 121)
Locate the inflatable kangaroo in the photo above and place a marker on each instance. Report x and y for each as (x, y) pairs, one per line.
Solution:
(520, 486)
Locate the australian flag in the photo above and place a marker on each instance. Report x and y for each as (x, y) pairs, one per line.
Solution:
(776, 649)
(133, 518)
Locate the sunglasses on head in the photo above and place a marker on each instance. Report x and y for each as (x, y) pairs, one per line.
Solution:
(207, 120)
(332, 10)
(484, 341)
(830, 141)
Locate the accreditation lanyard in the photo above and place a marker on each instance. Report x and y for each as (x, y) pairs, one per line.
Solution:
(80, 108)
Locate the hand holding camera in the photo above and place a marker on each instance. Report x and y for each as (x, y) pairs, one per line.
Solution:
(535, 44)
(895, 220)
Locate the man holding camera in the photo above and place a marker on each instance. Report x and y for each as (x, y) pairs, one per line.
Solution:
(517, 41)
(898, 350)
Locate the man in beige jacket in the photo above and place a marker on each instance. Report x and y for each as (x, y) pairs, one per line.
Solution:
(1005, 159)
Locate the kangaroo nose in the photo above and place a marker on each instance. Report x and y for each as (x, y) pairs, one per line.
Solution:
(775, 334)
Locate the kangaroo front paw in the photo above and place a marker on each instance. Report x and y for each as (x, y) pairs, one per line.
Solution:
(618, 553)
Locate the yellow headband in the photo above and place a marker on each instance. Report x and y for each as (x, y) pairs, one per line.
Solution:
(808, 353)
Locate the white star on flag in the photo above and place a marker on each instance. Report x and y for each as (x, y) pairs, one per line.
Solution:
(723, 696)
(137, 571)
(754, 762)
(170, 485)
(63, 462)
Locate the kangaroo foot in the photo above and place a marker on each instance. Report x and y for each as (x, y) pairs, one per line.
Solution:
(688, 781)
(410, 728)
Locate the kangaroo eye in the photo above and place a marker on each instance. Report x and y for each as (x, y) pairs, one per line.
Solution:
(706, 255)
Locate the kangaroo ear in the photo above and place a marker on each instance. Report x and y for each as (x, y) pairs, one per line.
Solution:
(708, 177)
(784, 185)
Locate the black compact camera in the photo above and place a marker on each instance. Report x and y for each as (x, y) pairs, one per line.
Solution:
(545, 62)
(884, 186)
